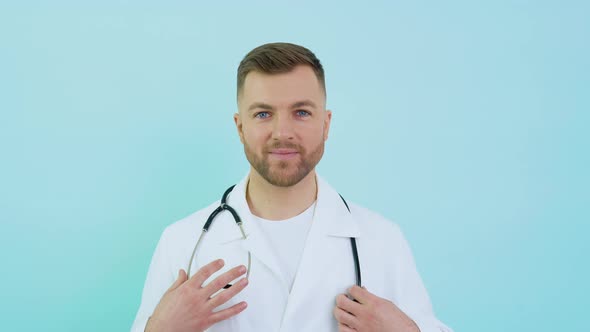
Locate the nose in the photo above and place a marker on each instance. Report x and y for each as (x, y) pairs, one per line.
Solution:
(282, 127)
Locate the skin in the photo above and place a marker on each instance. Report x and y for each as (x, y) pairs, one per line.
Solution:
(188, 307)
(283, 124)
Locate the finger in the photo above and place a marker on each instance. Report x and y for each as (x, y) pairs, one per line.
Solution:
(344, 303)
(179, 280)
(344, 328)
(346, 318)
(361, 294)
(205, 272)
(227, 294)
(222, 280)
(227, 313)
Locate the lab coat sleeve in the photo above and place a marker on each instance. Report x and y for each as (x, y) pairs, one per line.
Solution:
(159, 278)
(412, 297)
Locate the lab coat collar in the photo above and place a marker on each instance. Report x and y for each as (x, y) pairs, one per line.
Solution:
(331, 218)
(331, 214)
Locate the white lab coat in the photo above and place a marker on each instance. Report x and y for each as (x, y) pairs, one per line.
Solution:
(326, 268)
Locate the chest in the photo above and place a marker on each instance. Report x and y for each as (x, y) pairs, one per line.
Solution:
(326, 269)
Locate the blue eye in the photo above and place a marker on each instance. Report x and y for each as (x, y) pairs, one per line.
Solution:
(303, 113)
(262, 115)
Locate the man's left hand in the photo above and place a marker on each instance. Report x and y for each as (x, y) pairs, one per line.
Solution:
(370, 314)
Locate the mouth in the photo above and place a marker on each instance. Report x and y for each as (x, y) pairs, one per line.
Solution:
(283, 154)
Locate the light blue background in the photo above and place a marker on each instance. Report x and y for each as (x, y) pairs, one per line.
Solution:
(465, 122)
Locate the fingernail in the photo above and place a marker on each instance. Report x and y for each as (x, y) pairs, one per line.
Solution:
(242, 269)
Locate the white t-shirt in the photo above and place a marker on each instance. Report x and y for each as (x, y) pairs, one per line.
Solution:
(288, 238)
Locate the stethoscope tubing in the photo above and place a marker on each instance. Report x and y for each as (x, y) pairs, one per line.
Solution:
(224, 206)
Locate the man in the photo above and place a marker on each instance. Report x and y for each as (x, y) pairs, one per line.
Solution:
(298, 232)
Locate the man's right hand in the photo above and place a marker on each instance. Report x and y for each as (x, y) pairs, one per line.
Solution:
(187, 306)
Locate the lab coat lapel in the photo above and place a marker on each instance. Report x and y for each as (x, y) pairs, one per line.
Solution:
(256, 242)
(326, 266)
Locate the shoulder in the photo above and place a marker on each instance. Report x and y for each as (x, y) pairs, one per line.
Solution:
(381, 235)
(184, 230)
(373, 222)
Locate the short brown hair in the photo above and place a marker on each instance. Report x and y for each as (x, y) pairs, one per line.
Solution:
(277, 58)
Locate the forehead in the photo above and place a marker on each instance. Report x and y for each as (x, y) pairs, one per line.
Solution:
(284, 88)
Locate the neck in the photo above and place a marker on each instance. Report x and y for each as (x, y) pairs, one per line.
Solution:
(279, 203)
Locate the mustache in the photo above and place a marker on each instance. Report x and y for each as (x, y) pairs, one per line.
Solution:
(283, 145)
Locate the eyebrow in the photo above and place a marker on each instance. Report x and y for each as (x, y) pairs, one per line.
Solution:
(298, 104)
(260, 105)
(304, 103)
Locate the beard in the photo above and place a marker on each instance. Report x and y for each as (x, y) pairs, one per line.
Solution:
(284, 173)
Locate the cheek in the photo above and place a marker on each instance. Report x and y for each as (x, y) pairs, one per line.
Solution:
(254, 138)
(314, 135)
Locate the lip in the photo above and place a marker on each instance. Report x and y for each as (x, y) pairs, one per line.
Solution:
(283, 151)
(283, 154)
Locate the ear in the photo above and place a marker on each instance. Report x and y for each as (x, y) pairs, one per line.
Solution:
(238, 122)
(327, 121)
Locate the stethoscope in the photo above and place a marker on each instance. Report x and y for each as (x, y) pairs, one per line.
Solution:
(238, 221)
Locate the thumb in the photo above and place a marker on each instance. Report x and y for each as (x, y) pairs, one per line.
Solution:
(179, 281)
